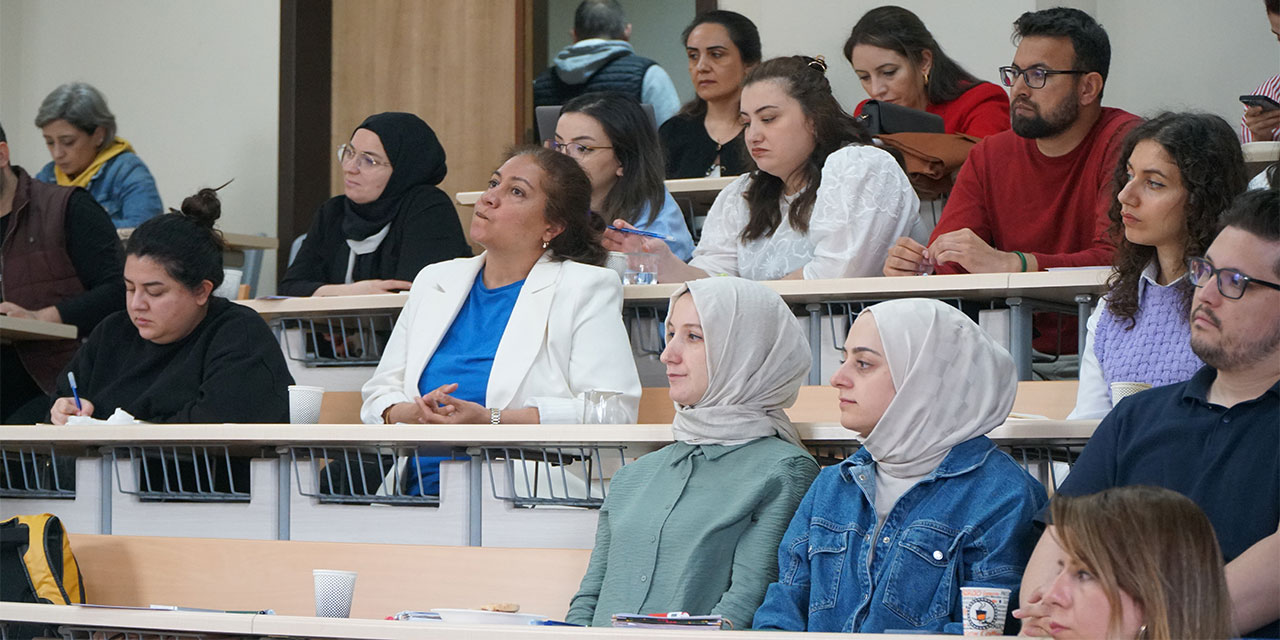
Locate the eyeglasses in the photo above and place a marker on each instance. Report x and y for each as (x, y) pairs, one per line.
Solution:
(572, 149)
(1231, 283)
(1035, 76)
(364, 161)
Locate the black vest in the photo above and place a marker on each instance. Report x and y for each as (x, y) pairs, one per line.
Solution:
(623, 73)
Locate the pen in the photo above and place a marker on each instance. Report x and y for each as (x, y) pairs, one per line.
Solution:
(71, 377)
(647, 234)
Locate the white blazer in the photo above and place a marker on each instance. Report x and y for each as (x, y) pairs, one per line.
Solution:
(565, 337)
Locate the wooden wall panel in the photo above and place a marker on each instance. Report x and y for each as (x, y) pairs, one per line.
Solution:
(459, 64)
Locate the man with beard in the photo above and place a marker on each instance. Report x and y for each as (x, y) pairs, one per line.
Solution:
(1214, 438)
(1036, 196)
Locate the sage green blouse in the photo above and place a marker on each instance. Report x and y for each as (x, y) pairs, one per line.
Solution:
(693, 528)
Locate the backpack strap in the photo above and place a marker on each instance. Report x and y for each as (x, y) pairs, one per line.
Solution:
(36, 558)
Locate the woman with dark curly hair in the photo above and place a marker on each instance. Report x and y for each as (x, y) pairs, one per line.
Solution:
(1181, 171)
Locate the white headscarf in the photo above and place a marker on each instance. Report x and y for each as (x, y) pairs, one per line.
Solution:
(757, 359)
(952, 383)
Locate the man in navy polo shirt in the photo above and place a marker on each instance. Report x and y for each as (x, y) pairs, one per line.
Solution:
(1214, 438)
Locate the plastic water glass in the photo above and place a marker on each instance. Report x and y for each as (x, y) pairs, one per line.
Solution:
(642, 268)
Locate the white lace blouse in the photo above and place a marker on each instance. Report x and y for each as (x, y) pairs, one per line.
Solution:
(864, 204)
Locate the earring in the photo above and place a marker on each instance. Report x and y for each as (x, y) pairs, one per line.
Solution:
(926, 78)
(544, 245)
(1142, 632)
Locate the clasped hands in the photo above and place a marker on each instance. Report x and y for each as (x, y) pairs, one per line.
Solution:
(962, 246)
(438, 407)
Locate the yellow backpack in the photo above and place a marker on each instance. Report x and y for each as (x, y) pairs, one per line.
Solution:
(37, 548)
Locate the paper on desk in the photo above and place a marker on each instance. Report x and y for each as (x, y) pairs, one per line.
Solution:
(119, 417)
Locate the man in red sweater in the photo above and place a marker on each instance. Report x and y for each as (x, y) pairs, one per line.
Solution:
(1036, 196)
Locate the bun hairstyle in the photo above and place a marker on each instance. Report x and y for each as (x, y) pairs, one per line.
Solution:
(805, 80)
(184, 242)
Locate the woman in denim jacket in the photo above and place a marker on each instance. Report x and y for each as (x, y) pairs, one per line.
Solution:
(884, 540)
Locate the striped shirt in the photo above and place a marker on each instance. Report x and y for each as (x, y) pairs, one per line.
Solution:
(1270, 89)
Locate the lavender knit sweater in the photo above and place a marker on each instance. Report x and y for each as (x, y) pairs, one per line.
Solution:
(1157, 350)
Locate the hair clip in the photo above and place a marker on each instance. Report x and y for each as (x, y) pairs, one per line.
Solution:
(817, 62)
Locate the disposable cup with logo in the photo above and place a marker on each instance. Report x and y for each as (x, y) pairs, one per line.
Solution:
(984, 610)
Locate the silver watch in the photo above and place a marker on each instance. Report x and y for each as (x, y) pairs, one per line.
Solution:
(495, 416)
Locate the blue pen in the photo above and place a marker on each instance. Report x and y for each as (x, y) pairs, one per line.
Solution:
(71, 377)
(647, 234)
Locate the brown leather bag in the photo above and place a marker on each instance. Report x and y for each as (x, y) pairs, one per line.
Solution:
(931, 159)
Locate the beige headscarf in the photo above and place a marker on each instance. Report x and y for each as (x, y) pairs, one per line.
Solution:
(952, 383)
(757, 359)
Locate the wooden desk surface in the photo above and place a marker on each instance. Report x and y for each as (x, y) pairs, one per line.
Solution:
(1056, 286)
(27, 329)
(322, 306)
(250, 625)
(237, 241)
(645, 436)
(677, 187)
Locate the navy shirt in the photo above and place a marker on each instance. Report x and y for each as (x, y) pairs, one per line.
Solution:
(1226, 460)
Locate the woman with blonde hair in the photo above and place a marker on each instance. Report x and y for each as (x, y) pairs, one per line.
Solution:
(1135, 562)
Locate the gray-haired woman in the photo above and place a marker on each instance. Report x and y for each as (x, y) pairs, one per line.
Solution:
(80, 132)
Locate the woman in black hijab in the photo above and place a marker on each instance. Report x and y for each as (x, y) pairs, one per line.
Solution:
(391, 220)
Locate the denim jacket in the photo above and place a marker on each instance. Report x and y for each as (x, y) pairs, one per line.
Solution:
(969, 523)
(123, 186)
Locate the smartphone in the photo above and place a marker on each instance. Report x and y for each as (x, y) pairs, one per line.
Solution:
(1266, 103)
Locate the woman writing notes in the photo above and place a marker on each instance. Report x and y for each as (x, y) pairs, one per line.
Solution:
(694, 526)
(178, 353)
(520, 332)
(613, 140)
(898, 61)
(822, 203)
(705, 138)
(391, 221)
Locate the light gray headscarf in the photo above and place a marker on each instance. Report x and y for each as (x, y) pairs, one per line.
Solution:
(952, 382)
(757, 359)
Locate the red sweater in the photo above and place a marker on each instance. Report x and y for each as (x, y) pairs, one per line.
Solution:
(1016, 198)
(980, 111)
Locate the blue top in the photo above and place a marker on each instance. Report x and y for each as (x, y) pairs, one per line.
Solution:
(966, 524)
(465, 356)
(465, 353)
(123, 186)
(1226, 460)
(668, 222)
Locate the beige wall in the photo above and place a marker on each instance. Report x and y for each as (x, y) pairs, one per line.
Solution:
(194, 87)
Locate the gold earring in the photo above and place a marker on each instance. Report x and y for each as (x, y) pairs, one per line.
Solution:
(926, 78)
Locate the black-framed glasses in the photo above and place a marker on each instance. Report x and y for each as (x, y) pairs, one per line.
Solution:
(1231, 283)
(363, 160)
(1035, 77)
(574, 150)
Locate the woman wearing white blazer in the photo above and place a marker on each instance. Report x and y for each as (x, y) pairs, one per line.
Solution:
(520, 332)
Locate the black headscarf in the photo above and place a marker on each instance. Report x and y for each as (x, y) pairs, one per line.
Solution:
(417, 165)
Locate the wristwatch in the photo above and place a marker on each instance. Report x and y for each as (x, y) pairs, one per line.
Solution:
(495, 416)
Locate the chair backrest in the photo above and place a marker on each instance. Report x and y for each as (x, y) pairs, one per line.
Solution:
(276, 574)
(1052, 399)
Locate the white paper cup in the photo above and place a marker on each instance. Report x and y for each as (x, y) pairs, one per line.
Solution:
(984, 610)
(1122, 390)
(333, 592)
(618, 262)
(304, 404)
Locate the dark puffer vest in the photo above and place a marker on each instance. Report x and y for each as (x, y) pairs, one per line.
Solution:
(623, 73)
